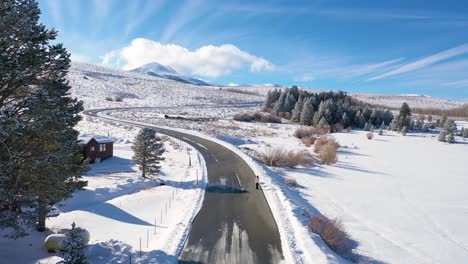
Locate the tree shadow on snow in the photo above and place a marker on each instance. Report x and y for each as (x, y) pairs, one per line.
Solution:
(347, 166)
(113, 212)
(113, 251)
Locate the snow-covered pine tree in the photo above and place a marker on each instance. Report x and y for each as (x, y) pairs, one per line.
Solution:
(289, 103)
(380, 131)
(367, 126)
(316, 118)
(450, 126)
(296, 112)
(307, 113)
(442, 136)
(74, 247)
(39, 151)
(268, 101)
(278, 106)
(450, 138)
(148, 150)
(323, 122)
(404, 131)
(345, 120)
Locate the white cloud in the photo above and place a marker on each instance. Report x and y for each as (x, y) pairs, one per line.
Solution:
(427, 61)
(209, 61)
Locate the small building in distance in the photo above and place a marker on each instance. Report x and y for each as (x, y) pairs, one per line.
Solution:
(96, 148)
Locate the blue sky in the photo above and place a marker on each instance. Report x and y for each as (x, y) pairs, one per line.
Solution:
(391, 47)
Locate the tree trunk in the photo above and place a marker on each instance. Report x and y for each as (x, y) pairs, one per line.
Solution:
(41, 216)
(143, 174)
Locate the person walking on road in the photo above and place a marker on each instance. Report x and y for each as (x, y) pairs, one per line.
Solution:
(257, 182)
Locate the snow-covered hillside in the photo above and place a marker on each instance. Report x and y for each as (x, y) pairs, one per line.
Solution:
(99, 86)
(158, 70)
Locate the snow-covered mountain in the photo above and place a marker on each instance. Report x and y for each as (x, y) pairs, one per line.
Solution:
(166, 72)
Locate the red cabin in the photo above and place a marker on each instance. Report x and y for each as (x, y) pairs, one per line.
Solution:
(96, 148)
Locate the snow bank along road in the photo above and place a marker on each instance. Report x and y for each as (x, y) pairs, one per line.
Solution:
(235, 223)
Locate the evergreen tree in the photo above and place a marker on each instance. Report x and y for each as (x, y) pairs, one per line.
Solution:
(405, 110)
(75, 247)
(316, 118)
(289, 103)
(268, 101)
(296, 113)
(367, 127)
(148, 151)
(429, 118)
(442, 136)
(450, 126)
(278, 107)
(404, 131)
(382, 126)
(465, 133)
(323, 122)
(345, 120)
(39, 151)
(307, 113)
(450, 138)
(380, 131)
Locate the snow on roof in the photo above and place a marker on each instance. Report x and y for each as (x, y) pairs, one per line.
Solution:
(84, 139)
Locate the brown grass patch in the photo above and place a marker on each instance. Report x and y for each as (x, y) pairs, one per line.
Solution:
(333, 234)
(278, 157)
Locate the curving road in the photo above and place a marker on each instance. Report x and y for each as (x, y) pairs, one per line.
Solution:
(235, 223)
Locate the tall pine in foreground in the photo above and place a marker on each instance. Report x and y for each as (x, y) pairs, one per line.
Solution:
(40, 158)
(148, 150)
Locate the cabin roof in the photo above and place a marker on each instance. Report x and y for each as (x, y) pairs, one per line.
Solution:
(84, 139)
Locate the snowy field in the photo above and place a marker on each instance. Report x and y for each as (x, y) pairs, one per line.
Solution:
(401, 198)
(120, 209)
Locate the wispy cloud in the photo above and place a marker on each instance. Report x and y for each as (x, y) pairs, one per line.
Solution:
(421, 63)
(341, 13)
(186, 13)
(55, 11)
(138, 14)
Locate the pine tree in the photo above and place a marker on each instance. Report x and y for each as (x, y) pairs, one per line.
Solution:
(345, 120)
(39, 151)
(465, 133)
(289, 103)
(74, 247)
(268, 101)
(380, 131)
(366, 127)
(278, 107)
(296, 113)
(450, 138)
(148, 150)
(316, 118)
(404, 131)
(323, 122)
(405, 110)
(442, 136)
(307, 113)
(450, 126)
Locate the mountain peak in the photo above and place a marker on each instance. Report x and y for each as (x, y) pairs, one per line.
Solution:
(167, 72)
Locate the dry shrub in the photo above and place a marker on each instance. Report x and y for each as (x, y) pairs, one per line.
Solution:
(338, 127)
(326, 148)
(327, 154)
(278, 157)
(258, 117)
(291, 182)
(370, 135)
(309, 141)
(333, 234)
(304, 132)
(322, 141)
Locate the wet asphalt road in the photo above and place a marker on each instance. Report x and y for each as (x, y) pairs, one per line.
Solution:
(235, 223)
